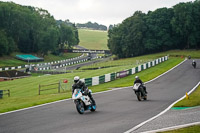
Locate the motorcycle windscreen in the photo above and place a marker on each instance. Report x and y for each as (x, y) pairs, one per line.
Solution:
(136, 86)
(77, 94)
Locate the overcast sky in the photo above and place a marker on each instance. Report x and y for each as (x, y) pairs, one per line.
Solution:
(104, 12)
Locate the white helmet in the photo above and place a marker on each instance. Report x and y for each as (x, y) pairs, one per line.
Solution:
(136, 77)
(76, 79)
(193, 60)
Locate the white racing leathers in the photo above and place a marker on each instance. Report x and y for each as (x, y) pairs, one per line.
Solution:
(82, 102)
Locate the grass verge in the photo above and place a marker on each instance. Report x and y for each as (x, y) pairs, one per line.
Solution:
(145, 75)
(24, 92)
(194, 100)
(10, 61)
(191, 129)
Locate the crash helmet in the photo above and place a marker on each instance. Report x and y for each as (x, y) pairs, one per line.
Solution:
(136, 77)
(193, 61)
(76, 79)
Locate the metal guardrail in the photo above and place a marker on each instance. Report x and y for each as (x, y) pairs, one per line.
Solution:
(47, 63)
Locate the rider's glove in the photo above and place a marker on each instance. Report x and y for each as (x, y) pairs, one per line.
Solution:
(84, 93)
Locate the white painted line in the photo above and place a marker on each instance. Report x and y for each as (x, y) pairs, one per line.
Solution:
(173, 128)
(141, 124)
(34, 107)
(115, 89)
(166, 72)
(70, 98)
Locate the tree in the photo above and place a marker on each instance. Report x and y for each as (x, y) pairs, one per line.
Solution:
(126, 39)
(31, 29)
(114, 41)
(184, 25)
(110, 27)
(158, 36)
(91, 25)
(156, 31)
(49, 41)
(3, 43)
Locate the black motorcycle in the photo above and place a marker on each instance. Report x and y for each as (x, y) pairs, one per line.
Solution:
(194, 64)
(139, 91)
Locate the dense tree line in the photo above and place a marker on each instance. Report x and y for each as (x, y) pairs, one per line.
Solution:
(110, 27)
(32, 30)
(156, 31)
(67, 22)
(90, 25)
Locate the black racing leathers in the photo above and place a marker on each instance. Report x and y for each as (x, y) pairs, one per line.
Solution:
(81, 85)
(194, 64)
(138, 81)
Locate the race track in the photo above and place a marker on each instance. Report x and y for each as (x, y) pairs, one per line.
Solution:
(117, 111)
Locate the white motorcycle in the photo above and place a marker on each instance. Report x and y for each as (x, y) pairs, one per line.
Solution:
(83, 102)
(139, 91)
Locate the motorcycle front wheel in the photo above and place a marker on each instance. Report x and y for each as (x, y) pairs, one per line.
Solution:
(80, 107)
(138, 96)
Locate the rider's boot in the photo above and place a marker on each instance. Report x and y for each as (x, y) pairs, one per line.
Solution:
(93, 102)
(145, 90)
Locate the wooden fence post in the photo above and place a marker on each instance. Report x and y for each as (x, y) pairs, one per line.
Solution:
(39, 89)
(8, 92)
(59, 87)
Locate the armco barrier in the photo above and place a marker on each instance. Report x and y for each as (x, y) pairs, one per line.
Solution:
(107, 77)
(95, 80)
(129, 71)
(112, 76)
(101, 79)
(136, 70)
(88, 81)
(142, 67)
(45, 68)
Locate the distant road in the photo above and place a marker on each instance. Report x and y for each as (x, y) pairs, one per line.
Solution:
(77, 66)
(79, 47)
(117, 111)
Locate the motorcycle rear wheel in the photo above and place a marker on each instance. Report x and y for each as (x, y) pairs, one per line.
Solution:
(145, 98)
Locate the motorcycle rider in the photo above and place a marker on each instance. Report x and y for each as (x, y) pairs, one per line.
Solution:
(78, 84)
(194, 63)
(138, 80)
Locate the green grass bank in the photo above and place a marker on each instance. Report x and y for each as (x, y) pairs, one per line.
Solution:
(93, 39)
(10, 61)
(24, 92)
(191, 129)
(194, 100)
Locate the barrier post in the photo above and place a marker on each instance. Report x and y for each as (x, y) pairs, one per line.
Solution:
(39, 89)
(8, 92)
(59, 87)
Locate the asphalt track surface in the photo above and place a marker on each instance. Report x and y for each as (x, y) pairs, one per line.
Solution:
(117, 111)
